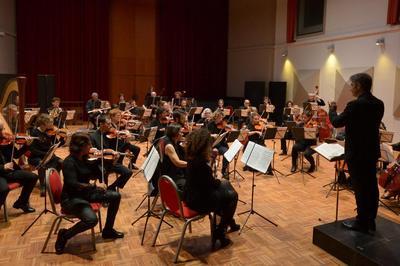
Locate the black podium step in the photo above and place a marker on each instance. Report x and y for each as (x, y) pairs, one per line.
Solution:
(354, 248)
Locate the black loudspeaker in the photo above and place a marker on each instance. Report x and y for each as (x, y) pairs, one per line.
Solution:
(254, 91)
(277, 95)
(46, 91)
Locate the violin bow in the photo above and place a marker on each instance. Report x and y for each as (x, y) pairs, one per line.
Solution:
(13, 142)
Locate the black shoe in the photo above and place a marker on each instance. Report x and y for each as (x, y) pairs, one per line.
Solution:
(245, 168)
(283, 153)
(355, 225)
(233, 227)
(23, 206)
(311, 169)
(42, 191)
(294, 168)
(219, 234)
(61, 241)
(112, 234)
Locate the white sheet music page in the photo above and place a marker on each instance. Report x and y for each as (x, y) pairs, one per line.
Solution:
(233, 150)
(330, 151)
(150, 164)
(219, 139)
(257, 157)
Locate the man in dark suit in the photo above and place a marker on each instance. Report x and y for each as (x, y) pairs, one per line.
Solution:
(361, 118)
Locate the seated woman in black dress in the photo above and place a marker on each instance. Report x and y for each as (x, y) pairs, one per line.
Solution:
(203, 193)
(78, 193)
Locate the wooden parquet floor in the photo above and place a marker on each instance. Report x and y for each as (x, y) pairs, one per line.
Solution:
(295, 206)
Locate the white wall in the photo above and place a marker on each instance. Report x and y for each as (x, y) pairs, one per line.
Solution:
(251, 43)
(7, 42)
(353, 27)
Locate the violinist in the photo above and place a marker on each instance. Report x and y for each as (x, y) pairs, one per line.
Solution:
(98, 138)
(246, 106)
(217, 127)
(56, 112)
(287, 117)
(11, 172)
(124, 145)
(173, 163)
(92, 104)
(206, 117)
(160, 121)
(305, 144)
(184, 105)
(40, 147)
(179, 117)
(266, 108)
(220, 105)
(313, 97)
(78, 193)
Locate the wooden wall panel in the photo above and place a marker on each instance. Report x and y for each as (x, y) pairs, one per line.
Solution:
(132, 48)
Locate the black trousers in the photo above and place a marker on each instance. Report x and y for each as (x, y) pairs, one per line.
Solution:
(123, 172)
(25, 178)
(288, 135)
(226, 202)
(88, 218)
(306, 148)
(221, 150)
(365, 185)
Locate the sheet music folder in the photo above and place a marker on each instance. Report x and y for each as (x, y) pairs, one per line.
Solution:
(257, 157)
(330, 151)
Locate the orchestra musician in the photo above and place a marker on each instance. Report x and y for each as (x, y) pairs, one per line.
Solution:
(184, 106)
(55, 111)
(313, 97)
(266, 108)
(216, 127)
(98, 138)
(173, 154)
(10, 172)
(78, 193)
(288, 134)
(118, 123)
(220, 105)
(206, 117)
(305, 144)
(40, 147)
(204, 193)
(176, 100)
(361, 119)
(246, 106)
(160, 121)
(92, 104)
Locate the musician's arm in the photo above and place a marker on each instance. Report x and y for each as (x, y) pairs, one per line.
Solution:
(21, 151)
(71, 177)
(342, 119)
(173, 156)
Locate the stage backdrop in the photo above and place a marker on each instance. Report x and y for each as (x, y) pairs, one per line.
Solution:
(304, 81)
(66, 38)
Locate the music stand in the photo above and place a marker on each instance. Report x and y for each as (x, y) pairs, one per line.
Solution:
(257, 163)
(300, 133)
(274, 134)
(46, 159)
(290, 125)
(148, 169)
(333, 153)
(233, 154)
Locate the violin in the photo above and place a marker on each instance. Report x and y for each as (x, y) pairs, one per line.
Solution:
(54, 131)
(107, 154)
(20, 139)
(123, 134)
(224, 125)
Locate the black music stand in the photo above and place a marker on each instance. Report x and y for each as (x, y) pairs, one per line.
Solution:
(43, 164)
(248, 152)
(148, 169)
(290, 125)
(232, 136)
(273, 134)
(298, 134)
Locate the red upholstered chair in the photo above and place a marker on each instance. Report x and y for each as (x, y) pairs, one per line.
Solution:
(11, 186)
(54, 188)
(173, 205)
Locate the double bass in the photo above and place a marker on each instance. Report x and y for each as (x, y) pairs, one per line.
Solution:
(390, 179)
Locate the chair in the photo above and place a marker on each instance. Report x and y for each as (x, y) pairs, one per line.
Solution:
(11, 186)
(54, 188)
(173, 204)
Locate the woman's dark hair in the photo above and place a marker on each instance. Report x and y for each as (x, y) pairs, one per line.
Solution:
(159, 112)
(172, 130)
(102, 119)
(78, 140)
(287, 103)
(198, 144)
(43, 119)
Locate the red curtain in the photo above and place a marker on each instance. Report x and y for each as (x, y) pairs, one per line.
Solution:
(291, 20)
(67, 38)
(193, 37)
(393, 12)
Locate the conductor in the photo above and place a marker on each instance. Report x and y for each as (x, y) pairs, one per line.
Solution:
(361, 118)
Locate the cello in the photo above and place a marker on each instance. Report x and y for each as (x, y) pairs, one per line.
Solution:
(389, 179)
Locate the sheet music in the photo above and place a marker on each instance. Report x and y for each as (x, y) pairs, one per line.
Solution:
(227, 112)
(233, 150)
(330, 151)
(220, 138)
(280, 132)
(147, 112)
(257, 157)
(198, 110)
(150, 164)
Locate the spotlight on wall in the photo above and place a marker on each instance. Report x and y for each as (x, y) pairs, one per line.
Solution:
(331, 48)
(380, 42)
(285, 53)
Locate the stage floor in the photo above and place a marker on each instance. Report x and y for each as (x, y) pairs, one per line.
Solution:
(355, 248)
(296, 205)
